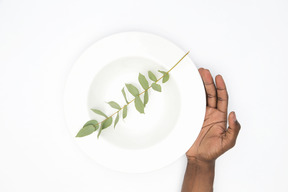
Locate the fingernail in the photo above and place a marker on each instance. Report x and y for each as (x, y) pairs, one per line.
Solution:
(220, 76)
(234, 117)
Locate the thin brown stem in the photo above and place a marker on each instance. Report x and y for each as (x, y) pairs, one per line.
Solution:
(147, 88)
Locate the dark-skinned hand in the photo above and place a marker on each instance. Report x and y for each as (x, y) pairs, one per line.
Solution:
(214, 138)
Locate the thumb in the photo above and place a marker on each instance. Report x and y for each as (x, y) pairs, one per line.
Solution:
(233, 129)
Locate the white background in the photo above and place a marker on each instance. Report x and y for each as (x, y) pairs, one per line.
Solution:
(245, 41)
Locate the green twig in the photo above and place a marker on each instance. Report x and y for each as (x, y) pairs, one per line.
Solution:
(146, 89)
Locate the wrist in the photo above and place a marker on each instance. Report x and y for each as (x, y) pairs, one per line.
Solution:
(205, 164)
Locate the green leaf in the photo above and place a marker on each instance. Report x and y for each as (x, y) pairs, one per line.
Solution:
(86, 130)
(156, 87)
(114, 105)
(99, 112)
(139, 104)
(125, 112)
(92, 122)
(146, 98)
(116, 120)
(165, 76)
(132, 89)
(106, 123)
(124, 94)
(152, 76)
(143, 81)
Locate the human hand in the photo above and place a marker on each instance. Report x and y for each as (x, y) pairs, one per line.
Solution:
(214, 139)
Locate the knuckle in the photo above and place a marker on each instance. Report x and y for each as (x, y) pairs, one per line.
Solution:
(221, 99)
(209, 95)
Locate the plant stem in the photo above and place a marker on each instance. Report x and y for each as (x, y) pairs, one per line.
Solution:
(147, 88)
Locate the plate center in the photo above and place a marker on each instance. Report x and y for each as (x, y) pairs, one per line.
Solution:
(136, 131)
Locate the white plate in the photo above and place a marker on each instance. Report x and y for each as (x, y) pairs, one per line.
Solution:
(141, 142)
